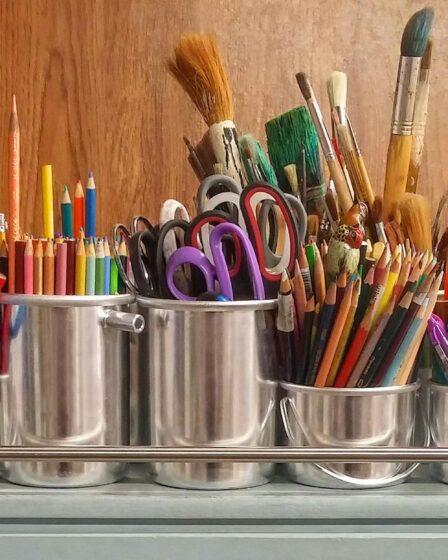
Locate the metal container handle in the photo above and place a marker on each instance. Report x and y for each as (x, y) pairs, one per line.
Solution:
(129, 322)
(341, 477)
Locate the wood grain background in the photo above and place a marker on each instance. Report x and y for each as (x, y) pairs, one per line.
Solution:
(93, 92)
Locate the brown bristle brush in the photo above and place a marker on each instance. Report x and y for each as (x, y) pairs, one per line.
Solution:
(313, 227)
(198, 67)
(416, 220)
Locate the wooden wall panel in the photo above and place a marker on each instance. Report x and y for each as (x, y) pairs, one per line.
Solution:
(93, 92)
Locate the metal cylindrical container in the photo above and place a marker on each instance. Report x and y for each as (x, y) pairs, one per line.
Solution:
(212, 371)
(438, 424)
(331, 417)
(67, 383)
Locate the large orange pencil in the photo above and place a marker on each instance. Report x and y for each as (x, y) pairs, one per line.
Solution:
(49, 269)
(78, 209)
(335, 336)
(13, 192)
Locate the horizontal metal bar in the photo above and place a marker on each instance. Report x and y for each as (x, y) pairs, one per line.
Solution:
(130, 454)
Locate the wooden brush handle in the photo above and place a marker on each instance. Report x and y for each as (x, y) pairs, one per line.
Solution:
(223, 140)
(398, 158)
(344, 196)
(367, 191)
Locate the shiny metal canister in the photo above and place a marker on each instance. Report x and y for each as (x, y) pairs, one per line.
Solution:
(330, 417)
(67, 383)
(438, 424)
(212, 379)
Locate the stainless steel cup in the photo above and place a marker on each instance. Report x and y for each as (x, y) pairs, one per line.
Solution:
(67, 383)
(438, 424)
(332, 417)
(212, 382)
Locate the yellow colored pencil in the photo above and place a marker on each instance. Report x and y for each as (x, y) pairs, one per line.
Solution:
(80, 274)
(47, 202)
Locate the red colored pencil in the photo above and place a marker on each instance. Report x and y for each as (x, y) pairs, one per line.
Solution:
(78, 209)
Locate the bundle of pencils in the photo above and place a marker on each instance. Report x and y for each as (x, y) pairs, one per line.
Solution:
(356, 329)
(63, 266)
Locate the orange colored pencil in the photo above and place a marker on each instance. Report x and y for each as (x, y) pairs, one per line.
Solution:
(335, 336)
(28, 268)
(13, 192)
(49, 269)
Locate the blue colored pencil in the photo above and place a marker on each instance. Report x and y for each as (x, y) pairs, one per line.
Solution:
(90, 206)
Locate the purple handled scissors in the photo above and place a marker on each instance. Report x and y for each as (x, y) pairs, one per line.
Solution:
(219, 271)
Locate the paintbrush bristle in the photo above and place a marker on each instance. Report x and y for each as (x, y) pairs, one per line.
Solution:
(304, 85)
(416, 33)
(337, 89)
(198, 67)
(287, 135)
(313, 222)
(416, 220)
(427, 56)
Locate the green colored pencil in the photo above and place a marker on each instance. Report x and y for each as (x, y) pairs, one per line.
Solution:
(67, 214)
(90, 269)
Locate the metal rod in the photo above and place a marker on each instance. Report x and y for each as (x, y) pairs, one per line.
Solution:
(131, 454)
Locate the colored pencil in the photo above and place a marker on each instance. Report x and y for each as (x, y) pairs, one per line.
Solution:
(113, 277)
(47, 202)
(39, 269)
(319, 278)
(19, 254)
(305, 342)
(334, 338)
(28, 266)
(49, 268)
(371, 344)
(305, 271)
(403, 349)
(123, 256)
(299, 295)
(99, 268)
(67, 215)
(2, 227)
(285, 327)
(391, 281)
(323, 332)
(341, 284)
(90, 268)
(106, 267)
(343, 341)
(71, 265)
(80, 269)
(78, 209)
(2, 281)
(90, 206)
(61, 269)
(13, 192)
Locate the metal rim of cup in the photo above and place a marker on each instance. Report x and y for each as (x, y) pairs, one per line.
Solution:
(437, 386)
(351, 392)
(66, 301)
(207, 306)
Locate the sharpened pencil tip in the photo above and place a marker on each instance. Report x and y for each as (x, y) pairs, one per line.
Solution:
(14, 103)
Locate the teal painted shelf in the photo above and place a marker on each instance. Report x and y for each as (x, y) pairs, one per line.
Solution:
(137, 519)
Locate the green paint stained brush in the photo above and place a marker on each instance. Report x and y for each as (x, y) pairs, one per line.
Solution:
(287, 136)
(256, 162)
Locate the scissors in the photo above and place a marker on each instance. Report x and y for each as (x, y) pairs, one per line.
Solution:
(217, 272)
(216, 191)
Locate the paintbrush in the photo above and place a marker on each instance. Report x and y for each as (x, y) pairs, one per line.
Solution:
(413, 44)
(416, 220)
(377, 218)
(342, 189)
(288, 136)
(198, 67)
(420, 115)
(256, 163)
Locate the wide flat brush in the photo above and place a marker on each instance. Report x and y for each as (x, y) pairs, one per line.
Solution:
(416, 220)
(292, 140)
(420, 115)
(198, 67)
(413, 44)
(342, 189)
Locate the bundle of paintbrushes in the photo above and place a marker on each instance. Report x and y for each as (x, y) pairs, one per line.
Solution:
(351, 318)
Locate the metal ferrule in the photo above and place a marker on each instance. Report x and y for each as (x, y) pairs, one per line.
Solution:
(342, 115)
(322, 132)
(405, 93)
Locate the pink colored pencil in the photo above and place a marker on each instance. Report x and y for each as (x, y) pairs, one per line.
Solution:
(28, 268)
(61, 269)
